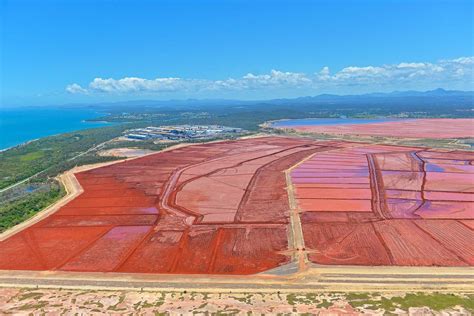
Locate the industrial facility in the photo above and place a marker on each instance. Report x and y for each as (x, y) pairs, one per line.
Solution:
(182, 132)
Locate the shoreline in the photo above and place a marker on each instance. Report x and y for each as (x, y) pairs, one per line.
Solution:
(85, 124)
(57, 134)
(23, 144)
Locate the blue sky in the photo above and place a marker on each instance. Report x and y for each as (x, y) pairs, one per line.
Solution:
(55, 52)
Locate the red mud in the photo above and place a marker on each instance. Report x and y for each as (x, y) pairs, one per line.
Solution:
(419, 128)
(211, 208)
(407, 210)
(222, 208)
(344, 243)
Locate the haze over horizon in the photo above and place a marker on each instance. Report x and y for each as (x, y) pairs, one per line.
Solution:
(83, 51)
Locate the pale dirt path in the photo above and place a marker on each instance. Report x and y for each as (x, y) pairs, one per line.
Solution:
(296, 230)
(314, 279)
(296, 237)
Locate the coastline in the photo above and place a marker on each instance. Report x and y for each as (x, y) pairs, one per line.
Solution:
(57, 134)
(23, 144)
(21, 126)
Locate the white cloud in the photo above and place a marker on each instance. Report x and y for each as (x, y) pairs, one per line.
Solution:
(275, 79)
(406, 73)
(75, 88)
(324, 74)
(411, 65)
(360, 73)
(132, 84)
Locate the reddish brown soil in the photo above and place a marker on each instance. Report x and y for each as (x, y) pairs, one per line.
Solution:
(222, 208)
(344, 243)
(210, 208)
(419, 128)
(411, 207)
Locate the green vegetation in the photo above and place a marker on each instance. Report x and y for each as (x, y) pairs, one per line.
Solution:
(34, 155)
(24, 201)
(249, 115)
(324, 304)
(31, 295)
(385, 303)
(17, 211)
(37, 156)
(115, 307)
(308, 298)
(434, 301)
(44, 159)
(357, 296)
(36, 307)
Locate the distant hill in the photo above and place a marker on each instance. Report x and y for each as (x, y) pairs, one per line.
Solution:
(395, 94)
(318, 99)
(430, 93)
(433, 103)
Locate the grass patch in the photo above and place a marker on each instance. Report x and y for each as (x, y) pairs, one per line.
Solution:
(357, 296)
(32, 155)
(434, 301)
(34, 307)
(17, 211)
(31, 295)
(308, 299)
(324, 304)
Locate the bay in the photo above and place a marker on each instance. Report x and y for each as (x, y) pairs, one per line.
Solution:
(19, 125)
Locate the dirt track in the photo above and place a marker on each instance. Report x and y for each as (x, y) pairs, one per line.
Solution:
(314, 279)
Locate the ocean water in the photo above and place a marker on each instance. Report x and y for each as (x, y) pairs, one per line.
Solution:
(328, 121)
(19, 125)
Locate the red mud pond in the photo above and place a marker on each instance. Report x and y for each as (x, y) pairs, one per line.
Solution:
(417, 128)
(222, 208)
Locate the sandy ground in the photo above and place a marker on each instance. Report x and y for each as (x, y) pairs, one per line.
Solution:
(125, 152)
(66, 302)
(314, 279)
